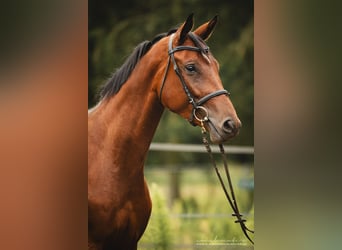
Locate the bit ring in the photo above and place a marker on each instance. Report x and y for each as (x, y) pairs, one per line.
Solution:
(206, 116)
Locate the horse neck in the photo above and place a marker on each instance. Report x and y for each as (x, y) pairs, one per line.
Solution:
(131, 117)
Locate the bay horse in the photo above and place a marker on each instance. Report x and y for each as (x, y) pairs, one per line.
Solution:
(122, 124)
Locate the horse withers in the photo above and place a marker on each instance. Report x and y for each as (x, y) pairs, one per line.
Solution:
(176, 71)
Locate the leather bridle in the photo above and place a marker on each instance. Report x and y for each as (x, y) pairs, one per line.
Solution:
(196, 105)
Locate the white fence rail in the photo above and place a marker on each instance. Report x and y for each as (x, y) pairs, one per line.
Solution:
(195, 148)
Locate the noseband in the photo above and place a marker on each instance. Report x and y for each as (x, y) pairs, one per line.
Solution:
(196, 105)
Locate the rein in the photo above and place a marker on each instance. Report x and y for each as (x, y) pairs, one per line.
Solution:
(230, 197)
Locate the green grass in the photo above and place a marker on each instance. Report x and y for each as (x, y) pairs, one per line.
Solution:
(202, 214)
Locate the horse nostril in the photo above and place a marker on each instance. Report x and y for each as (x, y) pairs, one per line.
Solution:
(229, 126)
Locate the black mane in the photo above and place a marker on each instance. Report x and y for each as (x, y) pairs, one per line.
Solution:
(113, 85)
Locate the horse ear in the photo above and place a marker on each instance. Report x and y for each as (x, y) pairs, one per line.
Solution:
(184, 29)
(205, 30)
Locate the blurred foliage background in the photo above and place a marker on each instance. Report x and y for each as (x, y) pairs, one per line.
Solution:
(116, 27)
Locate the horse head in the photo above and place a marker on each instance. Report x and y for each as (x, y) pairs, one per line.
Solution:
(194, 89)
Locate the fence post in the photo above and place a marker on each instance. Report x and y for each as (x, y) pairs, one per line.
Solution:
(174, 192)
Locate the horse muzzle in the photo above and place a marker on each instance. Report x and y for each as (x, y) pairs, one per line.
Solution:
(224, 131)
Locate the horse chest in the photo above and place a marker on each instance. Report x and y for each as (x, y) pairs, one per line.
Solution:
(117, 220)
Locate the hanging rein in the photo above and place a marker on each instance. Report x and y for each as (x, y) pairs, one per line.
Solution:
(231, 198)
(197, 113)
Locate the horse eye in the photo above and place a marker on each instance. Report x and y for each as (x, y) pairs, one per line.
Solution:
(190, 68)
